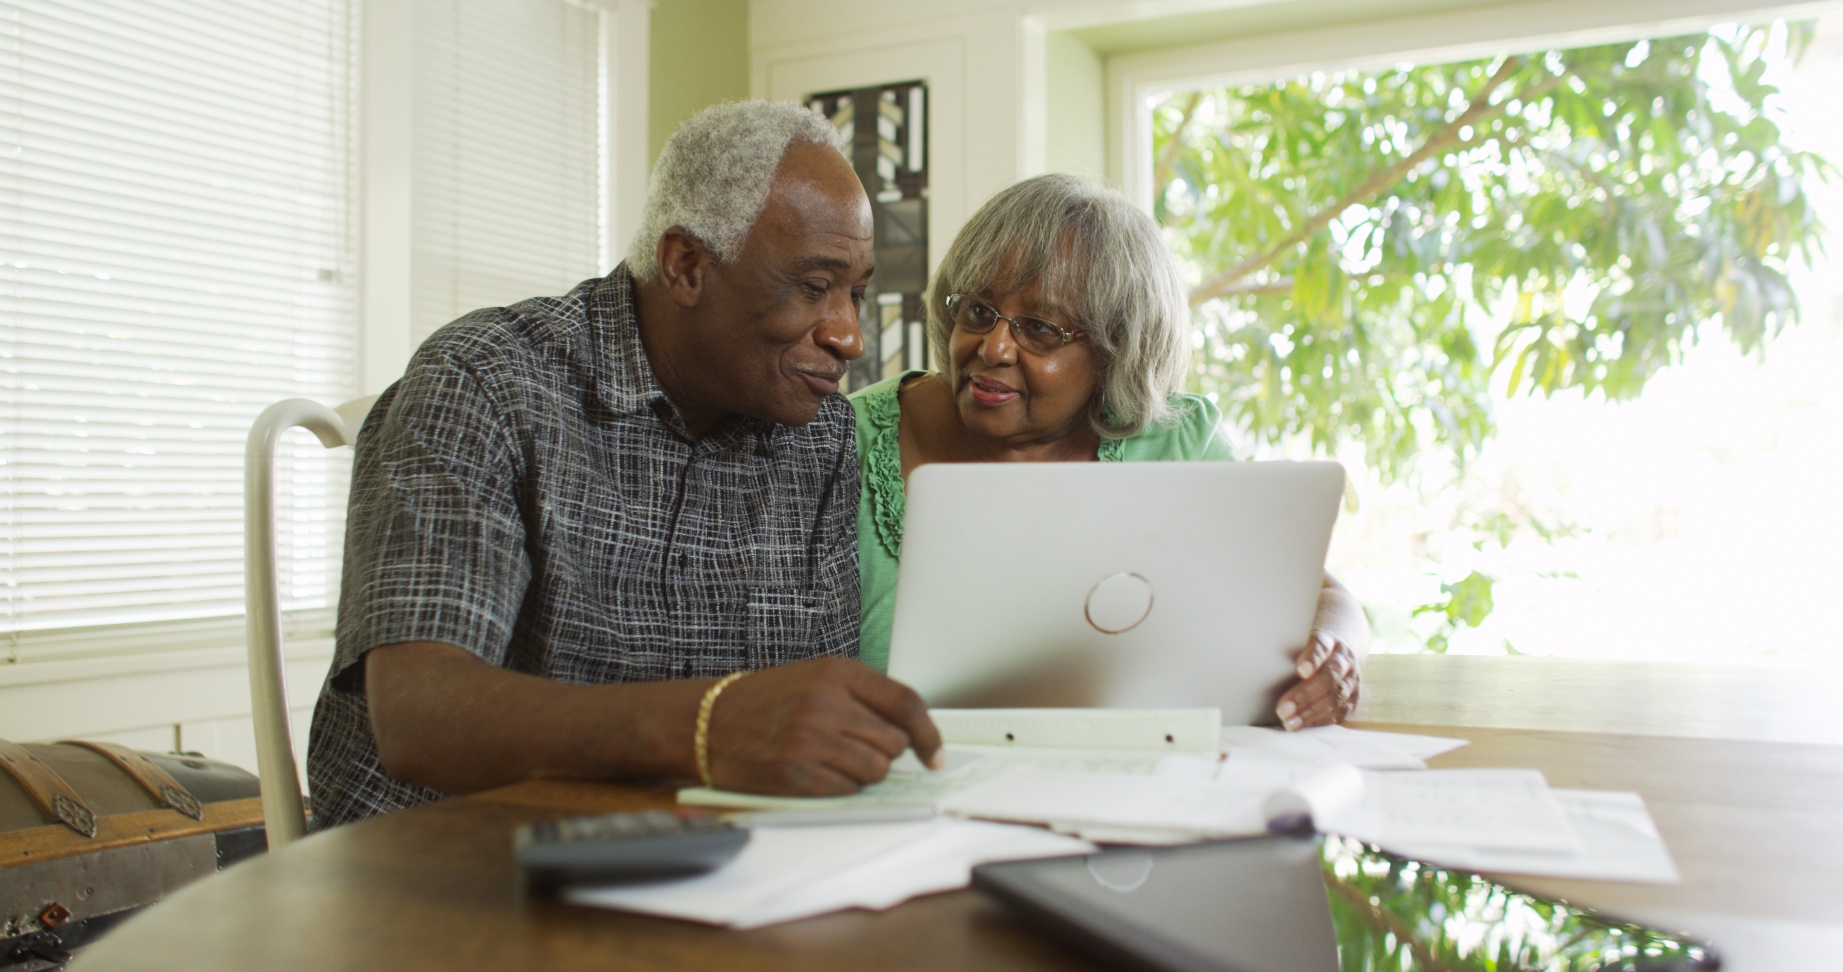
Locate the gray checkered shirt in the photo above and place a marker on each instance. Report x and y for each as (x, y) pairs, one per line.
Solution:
(526, 492)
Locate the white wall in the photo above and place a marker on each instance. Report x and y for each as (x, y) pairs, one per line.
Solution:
(195, 701)
(1075, 107)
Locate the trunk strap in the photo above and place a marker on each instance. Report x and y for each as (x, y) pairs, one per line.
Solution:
(156, 781)
(53, 795)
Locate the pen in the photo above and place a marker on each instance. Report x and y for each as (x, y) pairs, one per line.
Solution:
(879, 813)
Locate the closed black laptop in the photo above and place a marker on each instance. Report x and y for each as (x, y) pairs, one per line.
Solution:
(1290, 904)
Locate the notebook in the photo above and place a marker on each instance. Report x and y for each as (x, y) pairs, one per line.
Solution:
(1118, 585)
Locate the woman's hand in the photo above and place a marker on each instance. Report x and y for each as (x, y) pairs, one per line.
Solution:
(1328, 685)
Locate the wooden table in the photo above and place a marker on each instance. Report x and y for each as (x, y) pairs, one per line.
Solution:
(1753, 825)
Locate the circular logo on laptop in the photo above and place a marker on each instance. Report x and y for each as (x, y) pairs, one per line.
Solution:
(1118, 602)
(1120, 870)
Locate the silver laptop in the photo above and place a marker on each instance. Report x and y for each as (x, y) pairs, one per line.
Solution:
(1144, 585)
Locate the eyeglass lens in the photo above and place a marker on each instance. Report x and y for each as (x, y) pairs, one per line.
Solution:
(978, 317)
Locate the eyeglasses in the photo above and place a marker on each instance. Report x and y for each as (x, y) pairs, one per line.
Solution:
(975, 316)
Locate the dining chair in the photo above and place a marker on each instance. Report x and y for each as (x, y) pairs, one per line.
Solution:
(284, 816)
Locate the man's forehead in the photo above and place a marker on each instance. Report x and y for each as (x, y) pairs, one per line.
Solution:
(821, 211)
(820, 177)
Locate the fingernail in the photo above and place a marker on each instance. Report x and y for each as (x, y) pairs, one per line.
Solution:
(1292, 724)
(937, 761)
(1304, 668)
(1286, 709)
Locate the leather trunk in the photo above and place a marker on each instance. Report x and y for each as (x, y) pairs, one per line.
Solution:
(91, 831)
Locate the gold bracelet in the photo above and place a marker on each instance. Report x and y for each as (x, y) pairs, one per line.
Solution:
(700, 740)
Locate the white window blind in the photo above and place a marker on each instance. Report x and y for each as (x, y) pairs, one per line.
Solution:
(507, 192)
(175, 254)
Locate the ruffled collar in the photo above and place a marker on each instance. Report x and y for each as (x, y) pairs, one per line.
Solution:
(882, 410)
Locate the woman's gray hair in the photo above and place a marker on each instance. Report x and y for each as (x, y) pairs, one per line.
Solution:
(713, 176)
(1100, 259)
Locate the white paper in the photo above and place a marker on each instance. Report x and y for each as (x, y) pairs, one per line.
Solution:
(1420, 747)
(1481, 809)
(1090, 802)
(1618, 843)
(943, 861)
(786, 873)
(954, 759)
(1321, 796)
(775, 861)
(1336, 744)
(909, 782)
(1503, 809)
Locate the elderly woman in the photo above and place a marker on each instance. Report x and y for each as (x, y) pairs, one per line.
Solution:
(1063, 330)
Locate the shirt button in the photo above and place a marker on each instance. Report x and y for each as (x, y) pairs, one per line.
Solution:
(684, 671)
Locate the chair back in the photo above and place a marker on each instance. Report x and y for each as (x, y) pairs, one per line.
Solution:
(282, 810)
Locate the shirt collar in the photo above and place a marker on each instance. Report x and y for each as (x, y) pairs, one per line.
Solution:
(624, 379)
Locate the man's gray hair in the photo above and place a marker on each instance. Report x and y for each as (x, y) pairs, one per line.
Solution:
(1101, 260)
(713, 176)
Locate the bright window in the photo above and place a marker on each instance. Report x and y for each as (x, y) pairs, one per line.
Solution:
(175, 253)
(506, 201)
(179, 227)
(1576, 272)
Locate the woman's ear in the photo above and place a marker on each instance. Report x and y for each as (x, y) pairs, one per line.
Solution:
(682, 265)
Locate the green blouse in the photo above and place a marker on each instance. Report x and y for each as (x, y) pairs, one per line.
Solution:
(1192, 434)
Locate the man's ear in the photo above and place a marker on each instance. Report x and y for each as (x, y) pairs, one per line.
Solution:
(683, 262)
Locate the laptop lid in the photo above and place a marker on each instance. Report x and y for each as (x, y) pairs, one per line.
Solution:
(1157, 584)
(1288, 904)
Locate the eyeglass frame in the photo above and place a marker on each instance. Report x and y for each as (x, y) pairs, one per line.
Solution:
(1068, 334)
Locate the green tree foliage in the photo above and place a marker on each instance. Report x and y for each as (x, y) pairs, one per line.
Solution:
(1376, 250)
(1392, 913)
(1468, 602)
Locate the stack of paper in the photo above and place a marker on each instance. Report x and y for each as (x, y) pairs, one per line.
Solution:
(1148, 777)
(786, 873)
(1506, 809)
(1617, 842)
(1337, 744)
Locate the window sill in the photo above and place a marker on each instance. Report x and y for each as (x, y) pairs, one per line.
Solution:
(1647, 698)
(150, 662)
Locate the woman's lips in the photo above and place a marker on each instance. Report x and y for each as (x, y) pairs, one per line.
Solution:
(991, 394)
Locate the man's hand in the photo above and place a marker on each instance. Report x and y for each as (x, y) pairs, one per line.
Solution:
(823, 727)
(1328, 685)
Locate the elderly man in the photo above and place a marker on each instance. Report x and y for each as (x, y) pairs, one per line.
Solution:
(577, 521)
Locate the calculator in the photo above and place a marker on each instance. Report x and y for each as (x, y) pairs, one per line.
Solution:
(644, 845)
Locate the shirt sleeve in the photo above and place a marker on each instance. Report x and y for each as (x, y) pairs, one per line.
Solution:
(1212, 440)
(1194, 433)
(435, 544)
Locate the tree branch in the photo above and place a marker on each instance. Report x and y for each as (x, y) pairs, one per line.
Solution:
(1255, 288)
(1385, 921)
(1161, 174)
(1480, 109)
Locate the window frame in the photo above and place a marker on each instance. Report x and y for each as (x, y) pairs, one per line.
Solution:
(1134, 80)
